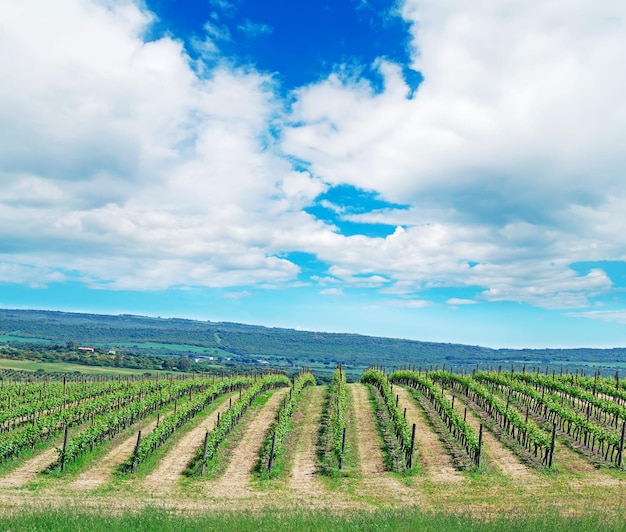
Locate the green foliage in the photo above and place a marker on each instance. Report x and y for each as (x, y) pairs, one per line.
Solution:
(459, 428)
(153, 396)
(183, 415)
(281, 426)
(551, 406)
(528, 433)
(233, 415)
(334, 422)
(44, 420)
(378, 379)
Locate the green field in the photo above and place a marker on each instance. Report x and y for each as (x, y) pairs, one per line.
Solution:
(64, 367)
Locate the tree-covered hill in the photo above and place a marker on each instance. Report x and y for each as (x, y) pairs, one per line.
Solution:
(238, 343)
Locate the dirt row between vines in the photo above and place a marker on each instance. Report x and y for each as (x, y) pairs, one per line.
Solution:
(236, 479)
(303, 477)
(29, 470)
(432, 456)
(89, 479)
(100, 473)
(375, 479)
(165, 477)
(495, 454)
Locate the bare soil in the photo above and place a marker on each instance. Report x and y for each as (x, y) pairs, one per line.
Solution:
(100, 473)
(370, 455)
(494, 452)
(164, 478)
(433, 457)
(236, 479)
(305, 465)
(374, 476)
(29, 470)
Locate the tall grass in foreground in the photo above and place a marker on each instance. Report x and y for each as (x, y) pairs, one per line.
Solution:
(69, 519)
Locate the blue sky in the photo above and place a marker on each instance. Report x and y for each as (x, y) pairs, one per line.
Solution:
(417, 169)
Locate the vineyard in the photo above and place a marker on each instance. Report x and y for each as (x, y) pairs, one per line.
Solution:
(485, 443)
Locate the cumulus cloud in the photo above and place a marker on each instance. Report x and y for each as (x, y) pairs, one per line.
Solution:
(123, 166)
(119, 162)
(509, 153)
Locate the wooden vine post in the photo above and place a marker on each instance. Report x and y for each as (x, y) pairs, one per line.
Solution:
(552, 445)
(271, 460)
(621, 446)
(409, 463)
(204, 450)
(343, 448)
(64, 449)
(136, 452)
(480, 445)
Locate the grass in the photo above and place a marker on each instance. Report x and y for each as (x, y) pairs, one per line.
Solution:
(75, 520)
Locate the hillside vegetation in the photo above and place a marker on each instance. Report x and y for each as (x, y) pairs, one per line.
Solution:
(231, 345)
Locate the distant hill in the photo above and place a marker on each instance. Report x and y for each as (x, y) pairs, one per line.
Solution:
(287, 348)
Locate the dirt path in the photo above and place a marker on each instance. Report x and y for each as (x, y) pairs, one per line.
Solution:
(28, 471)
(432, 456)
(97, 475)
(494, 451)
(163, 479)
(375, 478)
(304, 461)
(235, 480)
(370, 455)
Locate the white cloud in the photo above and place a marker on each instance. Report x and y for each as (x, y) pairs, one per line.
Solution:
(120, 163)
(611, 316)
(413, 303)
(332, 292)
(237, 295)
(510, 153)
(124, 168)
(460, 301)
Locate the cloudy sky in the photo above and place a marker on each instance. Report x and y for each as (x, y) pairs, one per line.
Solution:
(430, 169)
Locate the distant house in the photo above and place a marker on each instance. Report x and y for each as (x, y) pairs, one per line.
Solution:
(87, 349)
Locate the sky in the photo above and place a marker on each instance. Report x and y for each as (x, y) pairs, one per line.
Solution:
(436, 170)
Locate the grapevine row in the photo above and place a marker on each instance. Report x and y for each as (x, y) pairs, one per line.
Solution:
(457, 425)
(14, 442)
(526, 432)
(403, 434)
(231, 417)
(146, 446)
(551, 407)
(283, 422)
(600, 407)
(116, 421)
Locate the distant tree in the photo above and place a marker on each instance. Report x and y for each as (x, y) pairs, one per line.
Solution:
(169, 363)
